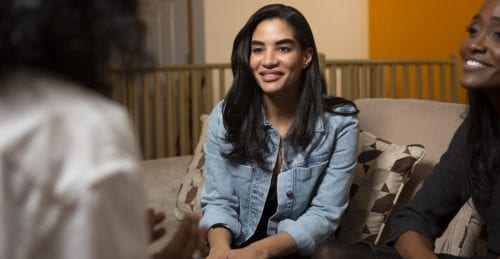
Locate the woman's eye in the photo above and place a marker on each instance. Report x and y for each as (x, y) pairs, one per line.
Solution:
(472, 31)
(284, 49)
(496, 35)
(257, 50)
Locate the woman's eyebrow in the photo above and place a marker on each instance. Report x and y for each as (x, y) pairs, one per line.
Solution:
(285, 41)
(495, 19)
(256, 42)
(279, 42)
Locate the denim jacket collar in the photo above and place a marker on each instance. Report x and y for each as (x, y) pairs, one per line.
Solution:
(318, 127)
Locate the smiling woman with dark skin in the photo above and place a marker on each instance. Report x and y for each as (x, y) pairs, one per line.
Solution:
(472, 160)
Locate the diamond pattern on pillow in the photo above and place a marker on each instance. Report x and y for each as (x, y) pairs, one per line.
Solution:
(189, 191)
(383, 169)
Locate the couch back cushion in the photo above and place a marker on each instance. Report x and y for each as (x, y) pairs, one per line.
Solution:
(409, 121)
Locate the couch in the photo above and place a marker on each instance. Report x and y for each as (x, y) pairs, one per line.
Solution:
(398, 122)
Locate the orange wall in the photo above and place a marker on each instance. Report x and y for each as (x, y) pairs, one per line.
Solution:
(418, 29)
(423, 29)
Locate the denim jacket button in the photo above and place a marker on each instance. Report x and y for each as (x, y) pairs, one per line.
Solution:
(289, 194)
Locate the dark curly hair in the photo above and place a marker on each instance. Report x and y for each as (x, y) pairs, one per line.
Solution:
(71, 38)
(482, 155)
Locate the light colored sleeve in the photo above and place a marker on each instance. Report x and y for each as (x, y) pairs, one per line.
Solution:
(108, 221)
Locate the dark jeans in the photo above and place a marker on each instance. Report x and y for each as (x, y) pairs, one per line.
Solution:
(362, 250)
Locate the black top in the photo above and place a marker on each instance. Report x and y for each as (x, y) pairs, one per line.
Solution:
(440, 198)
(269, 209)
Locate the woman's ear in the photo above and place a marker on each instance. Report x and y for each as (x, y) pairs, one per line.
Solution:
(307, 57)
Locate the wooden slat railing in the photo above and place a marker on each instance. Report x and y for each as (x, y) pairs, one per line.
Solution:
(166, 102)
(421, 79)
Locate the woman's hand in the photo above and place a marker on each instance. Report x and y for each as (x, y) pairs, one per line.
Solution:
(218, 253)
(154, 219)
(220, 243)
(245, 253)
(241, 253)
(412, 244)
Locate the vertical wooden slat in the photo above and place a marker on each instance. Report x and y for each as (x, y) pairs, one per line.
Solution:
(322, 63)
(453, 81)
(380, 80)
(195, 107)
(442, 82)
(159, 131)
(355, 81)
(430, 81)
(406, 80)
(222, 83)
(364, 91)
(171, 116)
(345, 82)
(418, 79)
(209, 88)
(392, 89)
(333, 80)
(184, 131)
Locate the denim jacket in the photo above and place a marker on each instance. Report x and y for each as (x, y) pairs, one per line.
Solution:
(312, 186)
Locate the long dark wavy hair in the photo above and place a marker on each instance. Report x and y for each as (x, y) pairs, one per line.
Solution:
(244, 103)
(70, 38)
(482, 153)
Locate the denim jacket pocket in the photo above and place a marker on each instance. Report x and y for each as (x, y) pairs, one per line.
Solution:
(310, 167)
(242, 176)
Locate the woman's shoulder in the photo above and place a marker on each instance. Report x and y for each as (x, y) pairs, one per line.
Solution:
(216, 112)
(340, 106)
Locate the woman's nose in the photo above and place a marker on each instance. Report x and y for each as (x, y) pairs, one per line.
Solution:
(270, 59)
(477, 44)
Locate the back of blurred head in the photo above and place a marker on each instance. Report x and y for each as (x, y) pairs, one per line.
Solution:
(73, 39)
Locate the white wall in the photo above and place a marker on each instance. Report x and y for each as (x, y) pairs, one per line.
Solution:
(340, 27)
(167, 35)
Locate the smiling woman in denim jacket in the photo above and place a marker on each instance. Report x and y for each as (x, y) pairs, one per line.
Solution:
(280, 153)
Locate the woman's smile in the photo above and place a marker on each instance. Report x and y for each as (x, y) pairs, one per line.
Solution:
(270, 75)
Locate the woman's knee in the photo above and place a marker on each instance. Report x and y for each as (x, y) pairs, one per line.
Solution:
(340, 250)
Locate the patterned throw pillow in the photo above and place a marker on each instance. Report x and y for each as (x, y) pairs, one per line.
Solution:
(189, 191)
(465, 235)
(383, 169)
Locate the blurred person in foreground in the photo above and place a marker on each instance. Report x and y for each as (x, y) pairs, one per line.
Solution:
(68, 158)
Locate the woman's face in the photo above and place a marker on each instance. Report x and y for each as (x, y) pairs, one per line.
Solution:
(481, 50)
(276, 58)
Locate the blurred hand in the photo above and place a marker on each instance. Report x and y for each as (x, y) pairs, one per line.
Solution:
(154, 219)
(186, 240)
